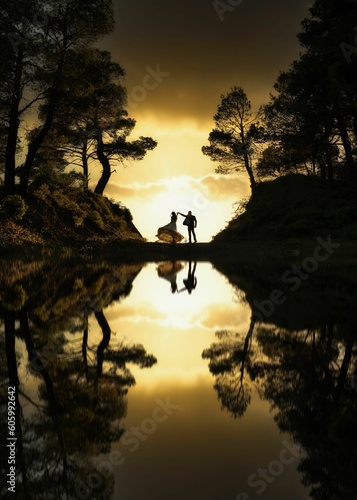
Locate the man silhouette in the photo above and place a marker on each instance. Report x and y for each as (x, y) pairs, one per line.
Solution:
(191, 222)
(191, 281)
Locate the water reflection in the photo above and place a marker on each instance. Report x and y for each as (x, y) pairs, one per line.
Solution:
(77, 336)
(310, 380)
(308, 376)
(170, 270)
(190, 282)
(231, 362)
(70, 394)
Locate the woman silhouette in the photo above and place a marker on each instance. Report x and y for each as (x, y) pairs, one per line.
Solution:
(169, 271)
(169, 233)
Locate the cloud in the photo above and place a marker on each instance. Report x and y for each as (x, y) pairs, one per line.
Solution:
(134, 190)
(216, 317)
(212, 187)
(224, 317)
(220, 187)
(134, 314)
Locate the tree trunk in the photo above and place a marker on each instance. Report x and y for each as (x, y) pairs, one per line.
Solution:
(106, 173)
(103, 323)
(323, 172)
(329, 168)
(253, 184)
(246, 344)
(85, 164)
(355, 127)
(85, 347)
(350, 341)
(12, 134)
(52, 400)
(33, 148)
(36, 143)
(345, 139)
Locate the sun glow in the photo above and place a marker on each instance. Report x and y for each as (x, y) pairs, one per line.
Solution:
(174, 327)
(175, 176)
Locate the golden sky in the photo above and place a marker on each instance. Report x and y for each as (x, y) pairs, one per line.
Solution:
(179, 57)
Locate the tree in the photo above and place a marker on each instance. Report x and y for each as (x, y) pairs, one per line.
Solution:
(312, 116)
(301, 121)
(301, 130)
(232, 365)
(309, 382)
(118, 149)
(275, 161)
(91, 120)
(231, 139)
(38, 48)
(76, 411)
(20, 48)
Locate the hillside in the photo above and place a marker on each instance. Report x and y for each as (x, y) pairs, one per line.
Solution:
(64, 217)
(295, 207)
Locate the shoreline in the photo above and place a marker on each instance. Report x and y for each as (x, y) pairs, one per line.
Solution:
(246, 252)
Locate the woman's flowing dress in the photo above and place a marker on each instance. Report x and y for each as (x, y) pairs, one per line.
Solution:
(169, 233)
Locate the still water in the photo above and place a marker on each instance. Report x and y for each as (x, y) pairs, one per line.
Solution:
(157, 381)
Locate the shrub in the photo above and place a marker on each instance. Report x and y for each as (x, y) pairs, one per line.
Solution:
(97, 220)
(13, 206)
(43, 192)
(14, 299)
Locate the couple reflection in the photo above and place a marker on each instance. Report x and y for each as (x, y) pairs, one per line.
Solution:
(170, 270)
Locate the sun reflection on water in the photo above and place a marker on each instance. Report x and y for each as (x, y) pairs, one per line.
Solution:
(175, 327)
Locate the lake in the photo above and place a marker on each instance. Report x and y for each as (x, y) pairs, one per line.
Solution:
(174, 380)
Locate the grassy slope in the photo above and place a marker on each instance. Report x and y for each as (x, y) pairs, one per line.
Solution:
(55, 216)
(294, 207)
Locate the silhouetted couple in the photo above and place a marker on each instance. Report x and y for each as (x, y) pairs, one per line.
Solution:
(169, 232)
(169, 271)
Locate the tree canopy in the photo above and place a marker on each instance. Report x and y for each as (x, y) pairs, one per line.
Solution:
(231, 139)
(55, 78)
(311, 117)
(309, 124)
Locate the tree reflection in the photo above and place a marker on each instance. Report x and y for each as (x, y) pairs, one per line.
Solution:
(309, 377)
(306, 365)
(231, 362)
(310, 382)
(71, 396)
